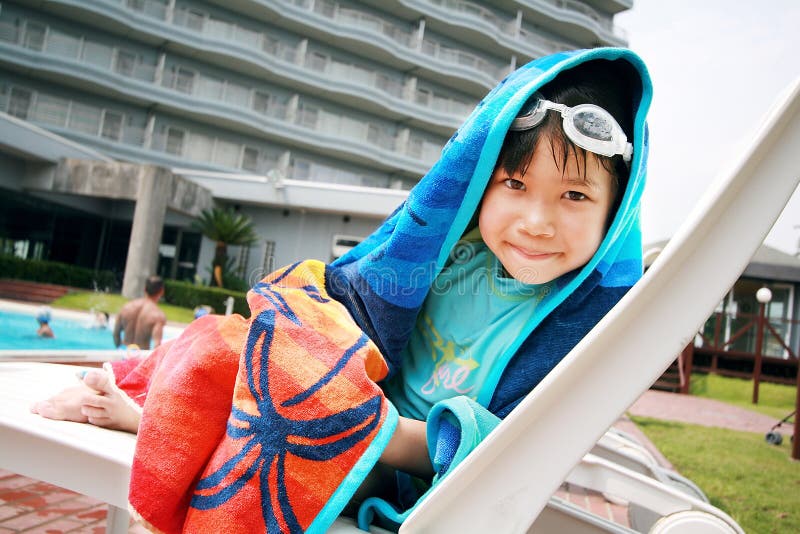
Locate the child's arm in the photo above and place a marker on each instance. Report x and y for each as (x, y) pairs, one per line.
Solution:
(408, 449)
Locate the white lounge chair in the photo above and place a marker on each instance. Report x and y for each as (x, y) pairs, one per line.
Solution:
(508, 481)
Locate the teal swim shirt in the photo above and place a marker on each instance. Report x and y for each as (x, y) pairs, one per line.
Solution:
(468, 320)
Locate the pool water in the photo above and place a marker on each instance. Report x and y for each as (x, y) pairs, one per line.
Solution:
(18, 332)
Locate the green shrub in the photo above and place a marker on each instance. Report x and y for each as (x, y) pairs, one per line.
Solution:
(190, 295)
(52, 272)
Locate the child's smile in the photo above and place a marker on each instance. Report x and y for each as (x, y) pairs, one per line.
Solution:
(547, 222)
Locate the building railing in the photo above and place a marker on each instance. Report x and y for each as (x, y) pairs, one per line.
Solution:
(508, 28)
(580, 8)
(345, 16)
(404, 37)
(229, 32)
(742, 337)
(112, 60)
(87, 120)
(755, 347)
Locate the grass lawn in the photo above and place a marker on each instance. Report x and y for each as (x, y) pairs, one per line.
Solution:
(756, 483)
(775, 400)
(111, 303)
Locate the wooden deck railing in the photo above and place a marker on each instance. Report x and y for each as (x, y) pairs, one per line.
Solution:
(785, 370)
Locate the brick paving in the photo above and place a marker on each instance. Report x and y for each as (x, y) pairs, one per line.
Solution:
(27, 505)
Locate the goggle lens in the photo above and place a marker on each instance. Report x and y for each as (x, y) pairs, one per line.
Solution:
(588, 126)
(592, 125)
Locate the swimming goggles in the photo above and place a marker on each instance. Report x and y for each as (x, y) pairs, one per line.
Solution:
(588, 126)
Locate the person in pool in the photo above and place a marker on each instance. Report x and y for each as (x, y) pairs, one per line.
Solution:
(140, 321)
(43, 318)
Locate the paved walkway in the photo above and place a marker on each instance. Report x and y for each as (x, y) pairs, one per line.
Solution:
(705, 412)
(31, 506)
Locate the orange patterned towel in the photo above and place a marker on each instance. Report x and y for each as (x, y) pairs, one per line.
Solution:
(267, 424)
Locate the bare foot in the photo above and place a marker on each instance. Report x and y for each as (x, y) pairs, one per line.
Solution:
(64, 406)
(107, 407)
(96, 401)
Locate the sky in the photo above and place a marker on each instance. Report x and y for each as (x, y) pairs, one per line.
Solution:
(717, 67)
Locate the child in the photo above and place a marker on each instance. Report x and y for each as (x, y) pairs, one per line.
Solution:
(99, 320)
(469, 291)
(43, 318)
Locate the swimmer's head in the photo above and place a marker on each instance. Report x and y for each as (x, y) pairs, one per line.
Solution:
(43, 315)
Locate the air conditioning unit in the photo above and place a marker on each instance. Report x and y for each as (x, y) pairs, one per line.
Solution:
(341, 244)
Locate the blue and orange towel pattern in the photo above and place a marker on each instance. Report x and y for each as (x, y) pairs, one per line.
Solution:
(279, 414)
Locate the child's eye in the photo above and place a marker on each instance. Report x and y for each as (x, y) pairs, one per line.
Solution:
(511, 183)
(575, 195)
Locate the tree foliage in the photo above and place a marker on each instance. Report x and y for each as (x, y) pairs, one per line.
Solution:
(227, 228)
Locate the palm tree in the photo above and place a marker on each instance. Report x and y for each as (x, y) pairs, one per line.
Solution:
(225, 227)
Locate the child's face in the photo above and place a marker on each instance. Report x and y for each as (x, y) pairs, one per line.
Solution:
(546, 222)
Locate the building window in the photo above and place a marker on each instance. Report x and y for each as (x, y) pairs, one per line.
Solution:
(190, 18)
(34, 36)
(208, 87)
(98, 54)
(268, 104)
(10, 31)
(317, 61)
(175, 141)
(414, 147)
(63, 44)
(112, 125)
(83, 118)
(250, 159)
(50, 110)
(423, 96)
(184, 80)
(307, 116)
(236, 94)
(301, 169)
(151, 8)
(200, 147)
(388, 84)
(226, 153)
(380, 137)
(271, 45)
(125, 63)
(20, 103)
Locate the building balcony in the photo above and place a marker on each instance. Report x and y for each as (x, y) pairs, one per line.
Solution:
(401, 46)
(611, 7)
(239, 108)
(345, 28)
(504, 34)
(576, 20)
(234, 47)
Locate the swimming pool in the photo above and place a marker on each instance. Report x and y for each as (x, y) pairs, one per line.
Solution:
(18, 331)
(72, 330)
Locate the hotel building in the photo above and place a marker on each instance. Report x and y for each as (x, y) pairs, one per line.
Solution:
(314, 117)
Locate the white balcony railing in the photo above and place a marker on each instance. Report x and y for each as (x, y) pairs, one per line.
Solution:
(214, 91)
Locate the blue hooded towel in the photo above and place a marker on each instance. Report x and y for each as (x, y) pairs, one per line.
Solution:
(385, 279)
